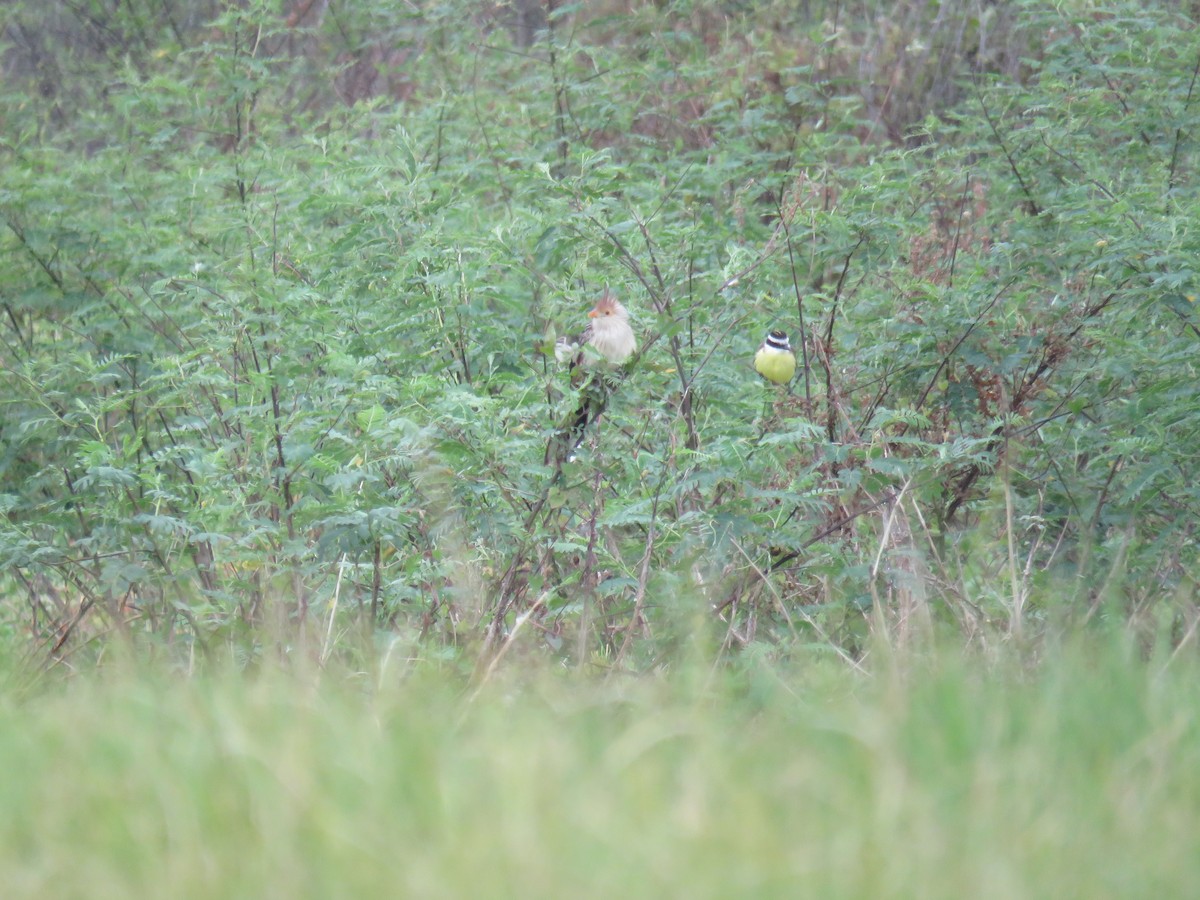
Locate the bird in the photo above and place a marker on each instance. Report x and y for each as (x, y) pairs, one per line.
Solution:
(606, 343)
(607, 338)
(775, 360)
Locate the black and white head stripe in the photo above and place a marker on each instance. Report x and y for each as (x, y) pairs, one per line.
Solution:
(777, 340)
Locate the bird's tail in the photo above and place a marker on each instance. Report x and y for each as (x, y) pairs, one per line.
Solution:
(593, 398)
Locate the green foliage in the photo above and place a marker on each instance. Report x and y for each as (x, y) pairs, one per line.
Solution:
(280, 288)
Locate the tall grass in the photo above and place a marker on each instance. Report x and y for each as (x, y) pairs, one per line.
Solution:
(1077, 777)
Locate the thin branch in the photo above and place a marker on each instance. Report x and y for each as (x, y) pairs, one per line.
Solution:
(1032, 205)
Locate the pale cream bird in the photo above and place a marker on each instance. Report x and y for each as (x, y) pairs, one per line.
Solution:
(608, 337)
(607, 342)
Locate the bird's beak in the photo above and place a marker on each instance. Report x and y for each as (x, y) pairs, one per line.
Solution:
(593, 314)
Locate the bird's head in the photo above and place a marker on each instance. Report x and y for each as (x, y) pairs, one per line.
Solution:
(778, 340)
(607, 306)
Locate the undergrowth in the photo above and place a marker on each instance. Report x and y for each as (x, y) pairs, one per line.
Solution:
(280, 286)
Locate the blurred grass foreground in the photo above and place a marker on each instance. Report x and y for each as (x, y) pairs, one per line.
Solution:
(1076, 777)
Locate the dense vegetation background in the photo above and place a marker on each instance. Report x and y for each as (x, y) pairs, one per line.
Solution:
(279, 289)
(279, 282)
